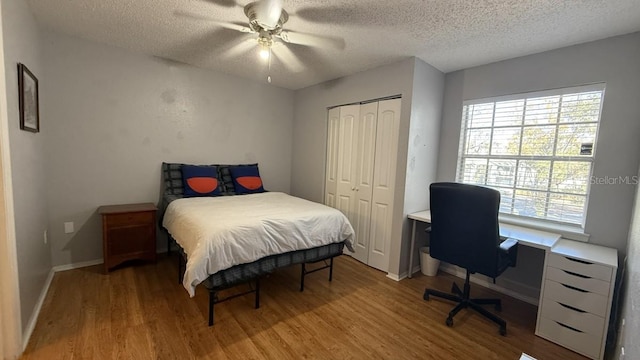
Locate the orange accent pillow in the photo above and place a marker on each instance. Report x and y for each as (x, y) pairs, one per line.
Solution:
(202, 184)
(200, 181)
(250, 182)
(246, 179)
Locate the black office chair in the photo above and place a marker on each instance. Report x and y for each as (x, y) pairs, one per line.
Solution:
(464, 231)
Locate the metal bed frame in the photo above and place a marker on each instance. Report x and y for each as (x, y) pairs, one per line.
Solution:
(254, 281)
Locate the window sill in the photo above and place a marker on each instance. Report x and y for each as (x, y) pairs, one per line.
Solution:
(566, 231)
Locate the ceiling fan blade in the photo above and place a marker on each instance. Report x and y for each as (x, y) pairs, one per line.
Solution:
(268, 13)
(225, 3)
(239, 47)
(228, 25)
(288, 58)
(312, 40)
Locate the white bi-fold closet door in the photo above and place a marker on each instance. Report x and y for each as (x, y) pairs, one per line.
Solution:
(362, 149)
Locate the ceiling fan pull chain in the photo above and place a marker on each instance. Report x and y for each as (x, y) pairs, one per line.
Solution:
(269, 67)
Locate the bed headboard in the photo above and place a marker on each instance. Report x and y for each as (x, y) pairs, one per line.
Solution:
(172, 186)
(172, 179)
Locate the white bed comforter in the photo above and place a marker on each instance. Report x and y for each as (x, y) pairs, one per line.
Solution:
(219, 232)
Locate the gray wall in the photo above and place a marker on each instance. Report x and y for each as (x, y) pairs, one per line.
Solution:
(310, 133)
(614, 61)
(22, 44)
(627, 335)
(112, 118)
(422, 152)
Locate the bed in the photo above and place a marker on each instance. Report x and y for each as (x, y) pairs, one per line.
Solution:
(233, 239)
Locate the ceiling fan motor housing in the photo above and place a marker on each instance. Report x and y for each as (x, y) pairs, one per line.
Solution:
(251, 10)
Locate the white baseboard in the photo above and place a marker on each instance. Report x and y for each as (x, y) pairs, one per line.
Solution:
(77, 265)
(26, 334)
(517, 294)
(396, 277)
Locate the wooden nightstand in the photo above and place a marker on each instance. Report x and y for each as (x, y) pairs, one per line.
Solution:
(128, 233)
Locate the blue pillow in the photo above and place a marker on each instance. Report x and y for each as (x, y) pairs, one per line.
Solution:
(200, 181)
(246, 179)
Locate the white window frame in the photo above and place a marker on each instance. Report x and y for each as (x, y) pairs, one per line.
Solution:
(524, 96)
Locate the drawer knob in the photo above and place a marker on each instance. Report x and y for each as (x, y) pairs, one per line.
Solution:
(579, 261)
(574, 288)
(578, 275)
(569, 327)
(571, 308)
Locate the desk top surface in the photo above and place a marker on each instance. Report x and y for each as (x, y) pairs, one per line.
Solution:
(529, 237)
(547, 241)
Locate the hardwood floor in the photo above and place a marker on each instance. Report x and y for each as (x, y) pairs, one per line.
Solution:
(141, 312)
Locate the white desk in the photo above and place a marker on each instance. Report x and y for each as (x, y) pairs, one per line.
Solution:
(525, 236)
(578, 274)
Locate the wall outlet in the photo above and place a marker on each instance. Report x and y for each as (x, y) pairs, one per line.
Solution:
(45, 237)
(68, 227)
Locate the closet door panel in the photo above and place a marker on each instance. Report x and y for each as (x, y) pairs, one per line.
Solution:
(379, 215)
(361, 227)
(347, 178)
(331, 172)
(384, 182)
(366, 147)
(364, 181)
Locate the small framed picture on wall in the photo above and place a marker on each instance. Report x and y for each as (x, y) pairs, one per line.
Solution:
(29, 109)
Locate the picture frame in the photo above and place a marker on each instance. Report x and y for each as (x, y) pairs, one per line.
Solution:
(29, 100)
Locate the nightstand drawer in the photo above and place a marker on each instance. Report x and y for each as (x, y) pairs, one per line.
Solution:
(125, 219)
(577, 280)
(577, 319)
(130, 239)
(578, 298)
(581, 267)
(563, 334)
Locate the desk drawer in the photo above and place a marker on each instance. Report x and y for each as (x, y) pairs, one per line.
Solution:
(577, 280)
(581, 267)
(577, 298)
(581, 342)
(127, 219)
(577, 319)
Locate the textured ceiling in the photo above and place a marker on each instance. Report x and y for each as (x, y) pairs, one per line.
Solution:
(448, 34)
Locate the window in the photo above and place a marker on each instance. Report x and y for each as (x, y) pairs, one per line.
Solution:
(536, 149)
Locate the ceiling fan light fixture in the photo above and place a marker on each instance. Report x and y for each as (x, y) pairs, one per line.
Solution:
(265, 53)
(265, 41)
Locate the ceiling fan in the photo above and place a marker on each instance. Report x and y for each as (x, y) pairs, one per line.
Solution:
(266, 19)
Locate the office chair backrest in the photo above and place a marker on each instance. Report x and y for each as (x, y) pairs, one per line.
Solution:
(464, 226)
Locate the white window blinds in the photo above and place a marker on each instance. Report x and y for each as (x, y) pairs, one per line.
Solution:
(536, 149)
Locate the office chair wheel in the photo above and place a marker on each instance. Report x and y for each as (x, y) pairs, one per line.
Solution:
(449, 322)
(503, 331)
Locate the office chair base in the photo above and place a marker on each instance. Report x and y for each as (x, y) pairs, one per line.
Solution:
(464, 301)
